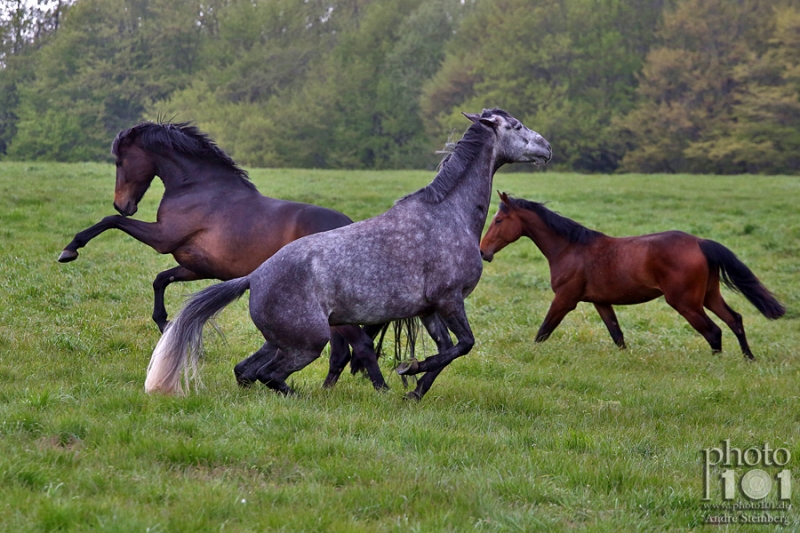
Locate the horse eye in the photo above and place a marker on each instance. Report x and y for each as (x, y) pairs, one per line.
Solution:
(497, 221)
(118, 163)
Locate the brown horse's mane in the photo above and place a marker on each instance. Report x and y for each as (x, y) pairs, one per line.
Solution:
(574, 232)
(183, 137)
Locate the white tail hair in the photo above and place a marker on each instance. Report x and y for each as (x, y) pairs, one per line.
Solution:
(182, 341)
(163, 374)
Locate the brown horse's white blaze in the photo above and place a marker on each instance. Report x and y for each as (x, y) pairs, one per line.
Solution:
(588, 266)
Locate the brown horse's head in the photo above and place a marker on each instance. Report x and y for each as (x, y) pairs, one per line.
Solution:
(505, 228)
(135, 171)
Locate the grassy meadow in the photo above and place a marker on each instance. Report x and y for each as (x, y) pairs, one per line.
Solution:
(571, 434)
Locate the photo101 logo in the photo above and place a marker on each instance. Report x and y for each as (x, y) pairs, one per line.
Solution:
(746, 486)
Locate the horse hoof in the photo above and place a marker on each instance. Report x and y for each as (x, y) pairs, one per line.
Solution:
(413, 396)
(408, 368)
(244, 383)
(330, 382)
(67, 256)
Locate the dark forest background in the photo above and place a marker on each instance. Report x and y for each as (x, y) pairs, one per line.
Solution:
(707, 86)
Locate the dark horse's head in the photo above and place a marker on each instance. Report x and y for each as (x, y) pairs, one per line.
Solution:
(138, 150)
(135, 170)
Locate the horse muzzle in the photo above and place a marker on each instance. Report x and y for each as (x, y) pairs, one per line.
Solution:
(486, 256)
(127, 210)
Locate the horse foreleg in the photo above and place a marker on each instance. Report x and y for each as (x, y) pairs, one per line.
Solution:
(163, 279)
(558, 310)
(364, 352)
(610, 320)
(340, 356)
(147, 232)
(438, 331)
(455, 318)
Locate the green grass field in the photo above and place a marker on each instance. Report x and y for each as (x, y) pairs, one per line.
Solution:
(572, 434)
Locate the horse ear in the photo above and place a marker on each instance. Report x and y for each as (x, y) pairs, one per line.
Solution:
(503, 197)
(474, 117)
(492, 121)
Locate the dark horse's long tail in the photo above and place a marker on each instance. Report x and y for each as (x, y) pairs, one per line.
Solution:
(182, 341)
(737, 277)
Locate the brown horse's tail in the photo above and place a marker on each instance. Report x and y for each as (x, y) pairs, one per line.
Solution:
(737, 277)
(182, 341)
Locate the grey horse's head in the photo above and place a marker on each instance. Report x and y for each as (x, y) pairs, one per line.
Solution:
(515, 142)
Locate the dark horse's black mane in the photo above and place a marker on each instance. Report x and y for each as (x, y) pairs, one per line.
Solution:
(569, 229)
(182, 137)
(458, 159)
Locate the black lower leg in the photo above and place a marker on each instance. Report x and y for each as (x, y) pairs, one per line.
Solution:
(364, 352)
(340, 356)
(246, 371)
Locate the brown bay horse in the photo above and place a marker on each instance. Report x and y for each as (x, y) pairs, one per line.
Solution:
(588, 266)
(213, 221)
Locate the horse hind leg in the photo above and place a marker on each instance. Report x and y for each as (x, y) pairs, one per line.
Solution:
(693, 312)
(340, 356)
(287, 361)
(717, 305)
(163, 279)
(297, 346)
(246, 371)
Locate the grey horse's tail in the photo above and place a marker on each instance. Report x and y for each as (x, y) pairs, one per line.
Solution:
(737, 277)
(182, 341)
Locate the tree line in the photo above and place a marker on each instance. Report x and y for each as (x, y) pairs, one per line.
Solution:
(707, 86)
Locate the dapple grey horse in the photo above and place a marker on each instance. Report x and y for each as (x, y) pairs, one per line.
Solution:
(420, 258)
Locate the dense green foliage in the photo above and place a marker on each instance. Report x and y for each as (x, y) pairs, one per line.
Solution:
(633, 85)
(569, 435)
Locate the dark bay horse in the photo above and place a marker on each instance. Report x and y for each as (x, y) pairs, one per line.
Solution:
(420, 257)
(211, 219)
(588, 266)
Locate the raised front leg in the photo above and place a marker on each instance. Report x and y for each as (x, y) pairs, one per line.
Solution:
(558, 310)
(455, 318)
(150, 233)
(163, 279)
(610, 320)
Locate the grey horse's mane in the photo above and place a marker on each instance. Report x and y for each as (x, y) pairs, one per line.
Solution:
(457, 160)
(183, 137)
(574, 232)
